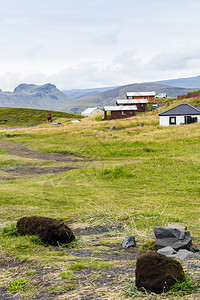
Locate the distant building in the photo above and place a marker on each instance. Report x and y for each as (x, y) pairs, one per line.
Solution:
(141, 104)
(149, 96)
(119, 112)
(180, 114)
(91, 111)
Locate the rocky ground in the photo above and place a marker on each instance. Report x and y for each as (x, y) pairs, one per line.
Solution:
(101, 269)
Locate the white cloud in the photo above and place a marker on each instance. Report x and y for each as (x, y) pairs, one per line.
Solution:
(97, 43)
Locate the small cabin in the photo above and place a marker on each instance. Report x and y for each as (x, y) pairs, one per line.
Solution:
(141, 104)
(119, 112)
(180, 114)
(149, 96)
(91, 111)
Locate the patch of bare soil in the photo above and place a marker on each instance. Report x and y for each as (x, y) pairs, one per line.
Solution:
(96, 229)
(35, 170)
(22, 151)
(30, 170)
(88, 282)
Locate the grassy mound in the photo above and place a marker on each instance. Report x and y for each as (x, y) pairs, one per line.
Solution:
(13, 117)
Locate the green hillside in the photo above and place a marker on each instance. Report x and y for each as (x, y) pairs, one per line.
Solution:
(12, 117)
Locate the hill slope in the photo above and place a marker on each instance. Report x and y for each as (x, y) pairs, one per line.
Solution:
(14, 117)
(45, 96)
(109, 97)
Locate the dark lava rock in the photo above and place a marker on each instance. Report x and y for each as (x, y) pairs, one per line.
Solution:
(49, 230)
(157, 273)
(173, 237)
(129, 241)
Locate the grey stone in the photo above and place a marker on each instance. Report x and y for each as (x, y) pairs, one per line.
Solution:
(167, 251)
(59, 279)
(112, 127)
(183, 254)
(177, 239)
(141, 124)
(129, 241)
(176, 226)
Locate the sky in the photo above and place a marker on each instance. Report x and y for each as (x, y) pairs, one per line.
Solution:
(97, 43)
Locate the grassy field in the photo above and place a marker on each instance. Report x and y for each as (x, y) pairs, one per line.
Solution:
(135, 177)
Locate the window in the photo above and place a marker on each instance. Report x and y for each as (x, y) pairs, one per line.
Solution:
(108, 113)
(143, 97)
(172, 120)
(123, 112)
(190, 119)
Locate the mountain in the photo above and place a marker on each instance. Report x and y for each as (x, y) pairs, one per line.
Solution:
(81, 93)
(45, 96)
(190, 82)
(109, 97)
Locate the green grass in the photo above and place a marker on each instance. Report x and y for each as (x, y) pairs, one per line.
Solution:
(195, 92)
(17, 285)
(186, 287)
(177, 291)
(90, 263)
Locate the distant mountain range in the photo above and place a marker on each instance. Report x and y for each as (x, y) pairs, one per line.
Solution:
(45, 96)
(80, 93)
(48, 97)
(110, 96)
(190, 82)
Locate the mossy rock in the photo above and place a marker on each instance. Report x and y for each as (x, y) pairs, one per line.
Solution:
(157, 273)
(50, 231)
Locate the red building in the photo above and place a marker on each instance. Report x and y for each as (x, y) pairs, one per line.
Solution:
(141, 104)
(149, 96)
(119, 112)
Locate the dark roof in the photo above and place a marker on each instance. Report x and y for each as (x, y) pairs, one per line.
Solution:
(181, 109)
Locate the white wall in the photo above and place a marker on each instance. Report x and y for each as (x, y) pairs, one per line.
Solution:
(164, 120)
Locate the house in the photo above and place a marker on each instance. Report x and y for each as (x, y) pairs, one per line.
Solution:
(91, 111)
(180, 114)
(150, 96)
(119, 112)
(141, 104)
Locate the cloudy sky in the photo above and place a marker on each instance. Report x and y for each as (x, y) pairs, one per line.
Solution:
(96, 43)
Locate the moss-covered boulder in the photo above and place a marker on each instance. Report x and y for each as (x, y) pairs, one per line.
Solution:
(157, 273)
(50, 231)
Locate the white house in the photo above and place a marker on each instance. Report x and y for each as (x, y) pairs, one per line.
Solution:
(180, 114)
(91, 111)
